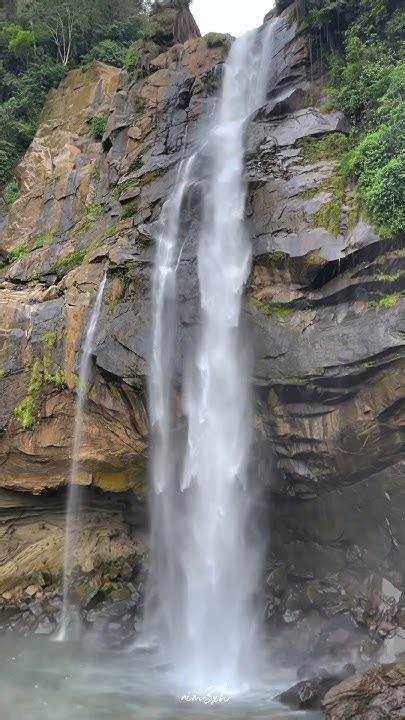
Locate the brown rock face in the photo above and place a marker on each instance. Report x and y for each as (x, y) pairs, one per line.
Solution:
(81, 211)
(380, 693)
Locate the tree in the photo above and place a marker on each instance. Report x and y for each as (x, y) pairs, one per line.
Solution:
(21, 44)
(61, 26)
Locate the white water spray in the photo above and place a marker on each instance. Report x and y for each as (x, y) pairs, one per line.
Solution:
(74, 493)
(204, 570)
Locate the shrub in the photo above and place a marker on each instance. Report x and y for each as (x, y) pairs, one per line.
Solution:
(218, 40)
(109, 52)
(11, 193)
(98, 127)
(25, 413)
(131, 62)
(386, 303)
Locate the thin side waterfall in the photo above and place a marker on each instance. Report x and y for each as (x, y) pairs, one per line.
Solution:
(74, 492)
(204, 568)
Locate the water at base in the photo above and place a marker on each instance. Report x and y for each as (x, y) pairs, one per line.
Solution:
(205, 568)
(41, 680)
(74, 492)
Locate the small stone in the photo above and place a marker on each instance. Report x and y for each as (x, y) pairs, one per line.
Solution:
(32, 590)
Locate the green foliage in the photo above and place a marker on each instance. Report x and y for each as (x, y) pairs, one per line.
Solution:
(20, 111)
(57, 378)
(124, 186)
(330, 217)
(218, 40)
(387, 302)
(98, 127)
(278, 312)
(131, 62)
(331, 147)
(17, 253)
(109, 52)
(3, 374)
(378, 165)
(25, 413)
(73, 260)
(136, 164)
(11, 192)
(128, 211)
(50, 341)
(35, 57)
(382, 277)
(361, 42)
(36, 378)
(45, 241)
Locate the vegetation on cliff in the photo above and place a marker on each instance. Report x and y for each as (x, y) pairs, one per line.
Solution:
(358, 42)
(40, 44)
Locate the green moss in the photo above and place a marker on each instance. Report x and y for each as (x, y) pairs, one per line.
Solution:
(92, 214)
(98, 127)
(310, 194)
(218, 40)
(73, 260)
(3, 374)
(387, 302)
(25, 413)
(390, 278)
(330, 217)
(275, 258)
(330, 147)
(278, 312)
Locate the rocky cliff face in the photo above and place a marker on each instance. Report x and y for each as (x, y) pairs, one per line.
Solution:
(323, 312)
(83, 208)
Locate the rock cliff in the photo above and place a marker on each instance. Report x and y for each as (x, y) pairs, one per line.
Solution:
(323, 313)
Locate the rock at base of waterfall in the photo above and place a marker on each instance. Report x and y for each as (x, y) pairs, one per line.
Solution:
(378, 694)
(308, 694)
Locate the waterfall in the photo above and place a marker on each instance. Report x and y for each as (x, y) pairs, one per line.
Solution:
(204, 569)
(74, 492)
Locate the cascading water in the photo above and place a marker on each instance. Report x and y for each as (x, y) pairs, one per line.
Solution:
(204, 571)
(74, 492)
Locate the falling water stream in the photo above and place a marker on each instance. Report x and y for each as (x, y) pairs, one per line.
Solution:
(204, 570)
(74, 491)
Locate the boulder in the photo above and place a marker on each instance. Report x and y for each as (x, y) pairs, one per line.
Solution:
(379, 694)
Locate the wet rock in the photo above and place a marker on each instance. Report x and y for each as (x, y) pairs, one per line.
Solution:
(307, 694)
(85, 590)
(45, 627)
(378, 694)
(276, 580)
